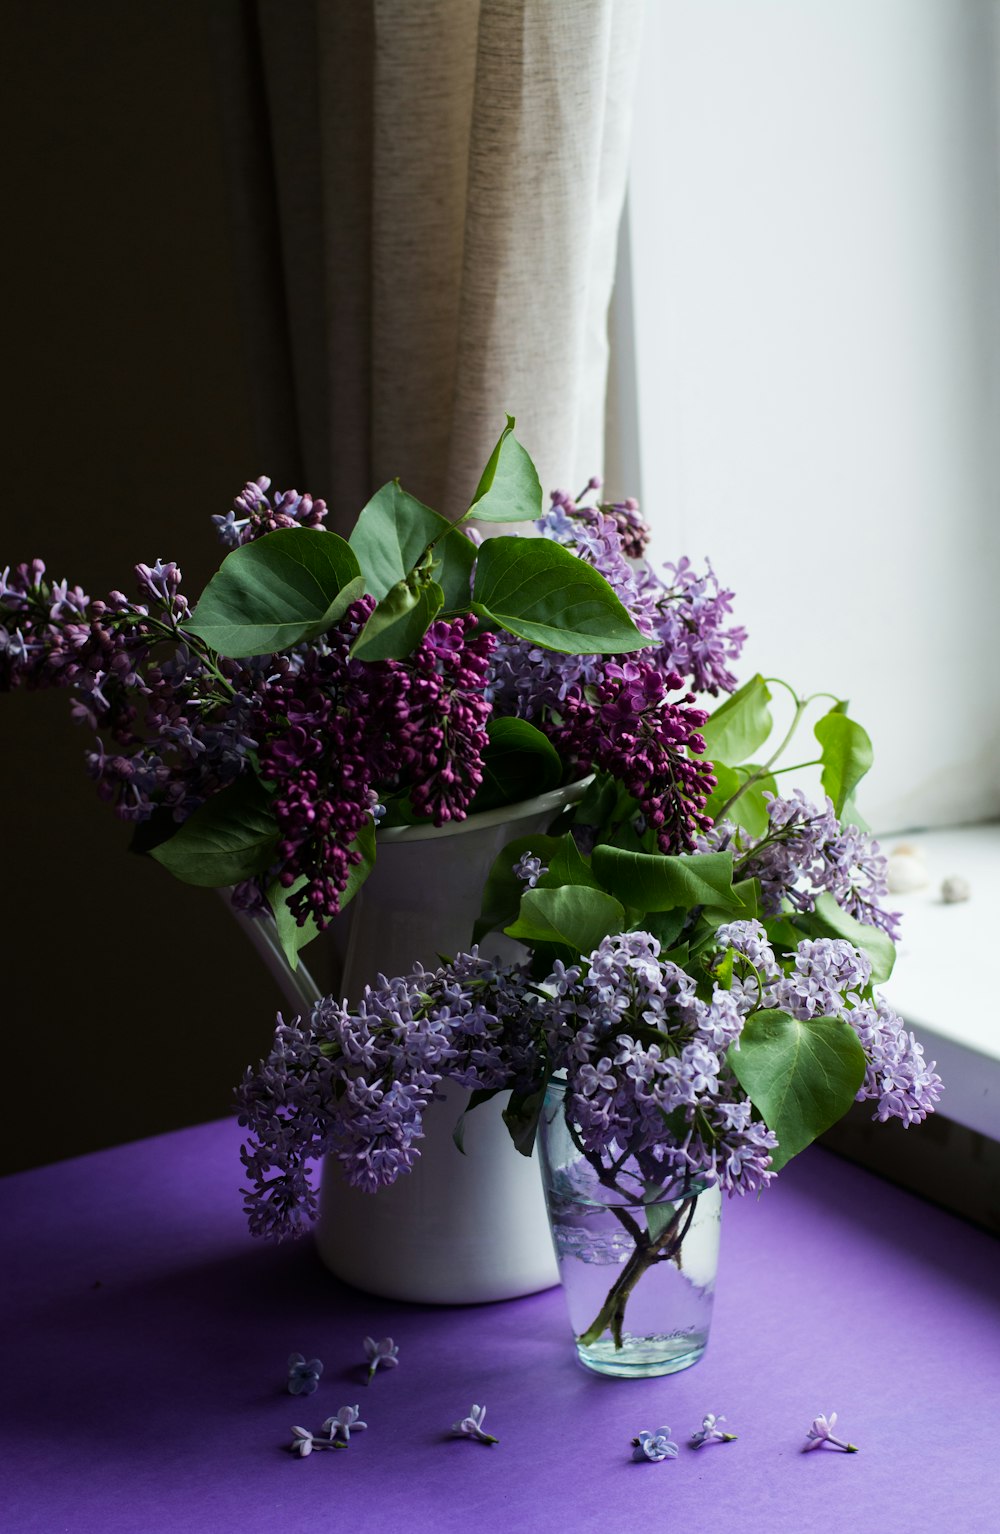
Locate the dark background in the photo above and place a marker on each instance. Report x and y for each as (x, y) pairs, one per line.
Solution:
(131, 1004)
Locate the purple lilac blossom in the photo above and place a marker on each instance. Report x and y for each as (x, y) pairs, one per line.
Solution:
(254, 514)
(648, 1085)
(654, 1446)
(829, 977)
(529, 869)
(357, 1084)
(806, 852)
(629, 727)
(338, 732)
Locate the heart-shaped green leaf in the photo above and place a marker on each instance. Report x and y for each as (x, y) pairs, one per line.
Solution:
(740, 725)
(538, 590)
(509, 490)
(503, 889)
(391, 535)
(659, 882)
(847, 755)
(231, 837)
(802, 1076)
(286, 587)
(399, 622)
(518, 763)
(574, 916)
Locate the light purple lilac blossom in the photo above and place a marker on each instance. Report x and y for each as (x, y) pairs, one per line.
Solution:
(347, 1420)
(303, 1374)
(254, 514)
(654, 1446)
(710, 1432)
(806, 852)
(821, 1432)
(648, 1085)
(384, 1353)
(472, 1426)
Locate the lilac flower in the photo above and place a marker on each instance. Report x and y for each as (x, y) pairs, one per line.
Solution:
(472, 1426)
(254, 514)
(649, 742)
(303, 1376)
(338, 1429)
(385, 1352)
(692, 612)
(654, 1446)
(822, 1432)
(710, 1432)
(806, 852)
(529, 869)
(303, 1442)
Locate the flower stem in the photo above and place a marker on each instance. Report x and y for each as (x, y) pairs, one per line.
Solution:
(611, 1316)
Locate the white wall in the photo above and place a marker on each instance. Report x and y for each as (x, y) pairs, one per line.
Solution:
(816, 287)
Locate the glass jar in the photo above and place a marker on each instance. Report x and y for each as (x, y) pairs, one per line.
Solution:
(638, 1272)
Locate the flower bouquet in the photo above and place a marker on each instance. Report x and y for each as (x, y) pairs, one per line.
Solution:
(697, 999)
(323, 686)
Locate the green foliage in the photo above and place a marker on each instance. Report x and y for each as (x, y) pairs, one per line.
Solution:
(503, 889)
(538, 590)
(574, 916)
(509, 490)
(400, 621)
(391, 537)
(749, 806)
(660, 882)
(481, 1095)
(455, 555)
(521, 1116)
(286, 587)
(518, 763)
(846, 753)
(740, 725)
(801, 1076)
(231, 837)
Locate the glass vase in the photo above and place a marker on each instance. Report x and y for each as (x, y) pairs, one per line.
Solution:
(638, 1273)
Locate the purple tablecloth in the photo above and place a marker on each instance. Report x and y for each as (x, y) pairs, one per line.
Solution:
(145, 1340)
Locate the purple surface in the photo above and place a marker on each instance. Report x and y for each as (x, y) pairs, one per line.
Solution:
(145, 1338)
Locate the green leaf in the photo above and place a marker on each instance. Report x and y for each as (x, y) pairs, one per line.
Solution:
(522, 1113)
(828, 919)
(454, 572)
(503, 889)
(740, 726)
(481, 1095)
(665, 926)
(231, 837)
(659, 882)
(847, 755)
(292, 937)
(518, 762)
(566, 865)
(573, 915)
(538, 590)
(509, 490)
(802, 1076)
(391, 535)
(399, 622)
(658, 1217)
(281, 589)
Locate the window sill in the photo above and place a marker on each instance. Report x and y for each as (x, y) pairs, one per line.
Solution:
(941, 984)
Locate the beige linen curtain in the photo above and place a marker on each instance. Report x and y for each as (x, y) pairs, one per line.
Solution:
(427, 196)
